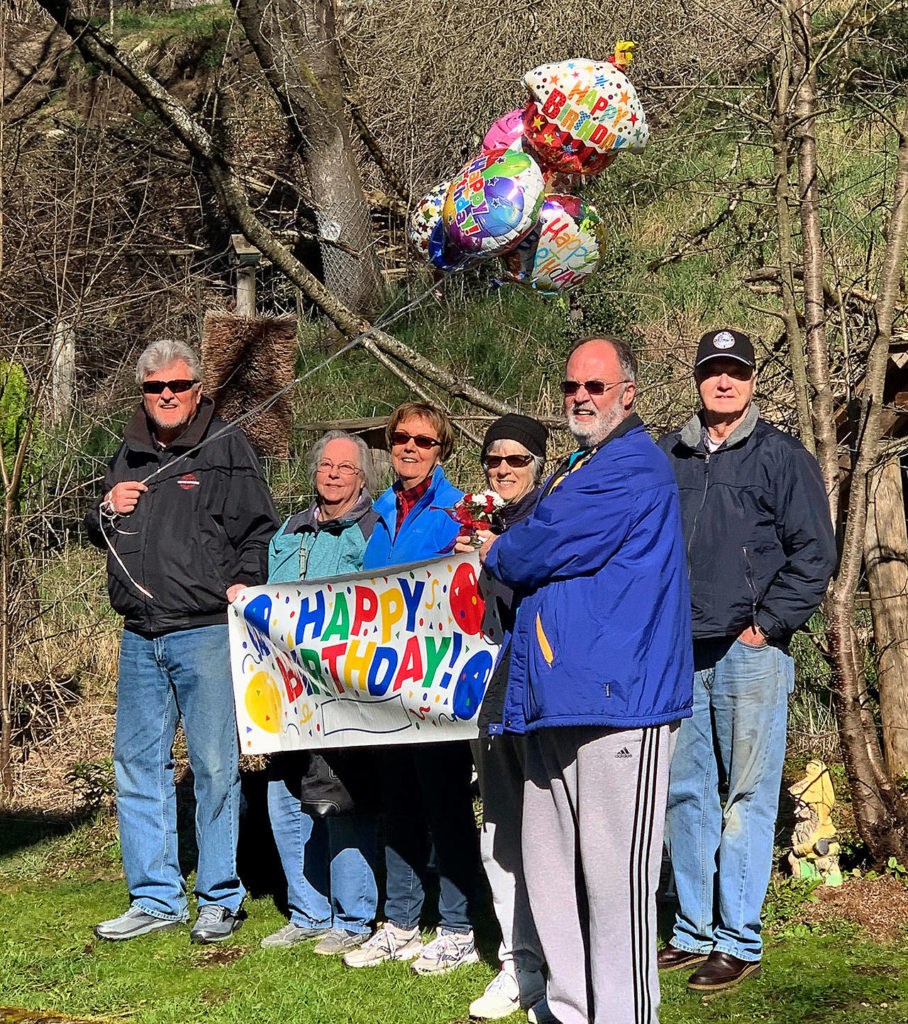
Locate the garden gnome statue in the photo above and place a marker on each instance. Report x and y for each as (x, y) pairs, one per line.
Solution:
(814, 851)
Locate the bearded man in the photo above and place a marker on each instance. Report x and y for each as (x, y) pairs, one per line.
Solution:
(601, 674)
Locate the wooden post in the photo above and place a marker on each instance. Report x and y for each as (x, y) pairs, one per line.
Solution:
(247, 258)
(886, 560)
(245, 291)
(63, 370)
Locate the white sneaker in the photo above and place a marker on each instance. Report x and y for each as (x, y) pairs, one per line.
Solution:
(541, 1014)
(388, 943)
(507, 993)
(446, 952)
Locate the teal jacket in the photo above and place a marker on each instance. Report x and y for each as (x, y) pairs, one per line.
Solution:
(306, 547)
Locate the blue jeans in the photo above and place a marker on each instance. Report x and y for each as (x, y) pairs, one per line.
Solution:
(428, 805)
(186, 674)
(329, 862)
(722, 855)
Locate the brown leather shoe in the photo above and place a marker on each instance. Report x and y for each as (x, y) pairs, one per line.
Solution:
(673, 959)
(722, 970)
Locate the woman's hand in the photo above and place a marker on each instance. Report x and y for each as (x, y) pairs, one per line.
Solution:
(234, 591)
(468, 542)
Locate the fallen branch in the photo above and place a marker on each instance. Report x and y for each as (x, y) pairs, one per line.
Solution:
(226, 183)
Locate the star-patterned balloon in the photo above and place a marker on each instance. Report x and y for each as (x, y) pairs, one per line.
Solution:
(581, 115)
(424, 218)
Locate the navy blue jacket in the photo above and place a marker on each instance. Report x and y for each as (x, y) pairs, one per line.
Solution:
(759, 537)
(602, 635)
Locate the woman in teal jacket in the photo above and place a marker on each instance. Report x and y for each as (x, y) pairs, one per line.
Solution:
(329, 862)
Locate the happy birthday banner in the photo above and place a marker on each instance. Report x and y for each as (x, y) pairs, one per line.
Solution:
(398, 656)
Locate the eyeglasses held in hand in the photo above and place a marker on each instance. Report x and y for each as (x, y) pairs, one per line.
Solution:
(157, 387)
(344, 468)
(514, 461)
(569, 388)
(420, 440)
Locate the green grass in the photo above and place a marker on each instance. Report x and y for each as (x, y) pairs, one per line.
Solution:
(204, 20)
(56, 882)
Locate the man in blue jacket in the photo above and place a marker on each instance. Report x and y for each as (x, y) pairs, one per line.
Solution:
(761, 551)
(601, 673)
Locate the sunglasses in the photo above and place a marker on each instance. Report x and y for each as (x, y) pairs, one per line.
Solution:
(569, 388)
(157, 387)
(514, 461)
(420, 440)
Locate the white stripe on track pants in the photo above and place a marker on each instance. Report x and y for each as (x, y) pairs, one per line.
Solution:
(593, 816)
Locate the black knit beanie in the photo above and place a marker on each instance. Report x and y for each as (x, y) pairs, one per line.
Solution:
(529, 432)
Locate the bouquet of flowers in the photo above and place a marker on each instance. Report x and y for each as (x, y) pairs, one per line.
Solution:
(474, 512)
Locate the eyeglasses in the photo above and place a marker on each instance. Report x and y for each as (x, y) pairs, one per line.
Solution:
(514, 461)
(344, 468)
(569, 388)
(420, 440)
(158, 387)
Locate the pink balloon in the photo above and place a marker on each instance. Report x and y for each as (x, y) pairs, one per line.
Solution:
(504, 132)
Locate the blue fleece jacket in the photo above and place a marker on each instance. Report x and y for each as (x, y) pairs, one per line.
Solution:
(426, 532)
(603, 634)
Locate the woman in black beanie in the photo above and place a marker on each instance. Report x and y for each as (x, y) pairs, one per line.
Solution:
(513, 456)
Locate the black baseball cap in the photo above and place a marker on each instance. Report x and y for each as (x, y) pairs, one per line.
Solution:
(725, 344)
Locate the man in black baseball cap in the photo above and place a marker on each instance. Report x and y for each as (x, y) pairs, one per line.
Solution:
(760, 553)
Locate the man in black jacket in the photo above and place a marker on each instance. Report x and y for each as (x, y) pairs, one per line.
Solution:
(186, 518)
(761, 551)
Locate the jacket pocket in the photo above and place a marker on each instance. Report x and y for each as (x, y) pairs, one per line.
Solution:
(542, 641)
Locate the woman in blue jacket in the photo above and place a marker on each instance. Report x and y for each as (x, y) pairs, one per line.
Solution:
(426, 785)
(329, 862)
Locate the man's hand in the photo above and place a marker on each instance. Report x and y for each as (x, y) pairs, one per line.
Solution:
(486, 548)
(753, 636)
(123, 497)
(234, 591)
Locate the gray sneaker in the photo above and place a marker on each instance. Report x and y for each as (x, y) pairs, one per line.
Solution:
(135, 922)
(291, 934)
(214, 924)
(339, 940)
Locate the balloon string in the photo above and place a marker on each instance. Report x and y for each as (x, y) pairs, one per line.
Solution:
(142, 590)
(261, 407)
(271, 399)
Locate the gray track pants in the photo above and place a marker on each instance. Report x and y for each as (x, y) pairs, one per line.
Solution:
(593, 814)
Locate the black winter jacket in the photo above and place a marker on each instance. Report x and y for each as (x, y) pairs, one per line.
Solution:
(203, 524)
(760, 544)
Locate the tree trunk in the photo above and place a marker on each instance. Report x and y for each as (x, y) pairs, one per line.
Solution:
(6, 719)
(781, 152)
(881, 812)
(886, 561)
(804, 131)
(296, 44)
